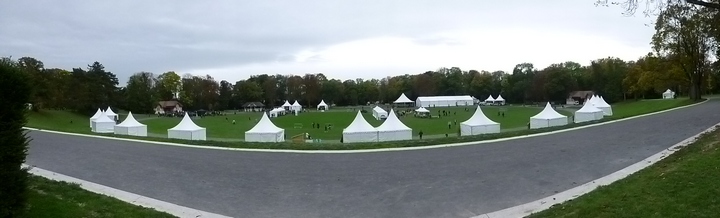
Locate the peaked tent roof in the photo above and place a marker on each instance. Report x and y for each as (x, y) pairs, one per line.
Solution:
(499, 98)
(97, 114)
(287, 104)
(296, 103)
(602, 103)
(478, 118)
(130, 121)
(422, 110)
(668, 91)
(359, 124)
(548, 113)
(588, 108)
(392, 123)
(322, 103)
(403, 99)
(490, 98)
(110, 112)
(104, 118)
(265, 126)
(186, 124)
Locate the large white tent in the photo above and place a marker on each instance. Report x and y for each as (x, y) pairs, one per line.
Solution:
(403, 99)
(479, 124)
(393, 129)
(95, 116)
(265, 131)
(379, 113)
(499, 100)
(548, 117)
(322, 106)
(103, 124)
(187, 129)
(130, 126)
(111, 114)
(489, 100)
(444, 101)
(668, 94)
(296, 106)
(359, 131)
(588, 112)
(604, 106)
(287, 105)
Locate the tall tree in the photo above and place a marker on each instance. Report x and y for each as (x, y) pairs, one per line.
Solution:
(169, 84)
(225, 97)
(139, 93)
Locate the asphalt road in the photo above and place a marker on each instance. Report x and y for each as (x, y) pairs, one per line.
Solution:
(445, 182)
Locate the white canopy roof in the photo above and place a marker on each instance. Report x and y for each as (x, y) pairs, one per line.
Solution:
(103, 118)
(110, 112)
(588, 108)
(548, 113)
(668, 91)
(602, 103)
(265, 126)
(499, 98)
(403, 99)
(422, 110)
(478, 118)
(287, 104)
(97, 114)
(359, 124)
(296, 103)
(322, 103)
(379, 109)
(278, 109)
(392, 123)
(130, 121)
(490, 98)
(187, 124)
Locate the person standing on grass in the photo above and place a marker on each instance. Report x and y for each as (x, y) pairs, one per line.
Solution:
(233, 122)
(420, 134)
(449, 125)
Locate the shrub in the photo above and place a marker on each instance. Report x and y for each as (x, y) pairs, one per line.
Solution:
(15, 90)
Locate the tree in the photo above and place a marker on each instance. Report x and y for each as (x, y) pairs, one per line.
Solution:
(654, 6)
(169, 85)
(16, 93)
(247, 91)
(139, 93)
(225, 97)
(311, 85)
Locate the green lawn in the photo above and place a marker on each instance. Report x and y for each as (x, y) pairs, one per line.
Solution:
(684, 184)
(48, 198)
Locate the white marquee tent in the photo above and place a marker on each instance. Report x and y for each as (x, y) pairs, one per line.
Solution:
(668, 94)
(422, 110)
(187, 129)
(479, 124)
(287, 105)
(111, 114)
(130, 126)
(588, 112)
(276, 112)
(490, 100)
(499, 100)
(265, 131)
(393, 129)
(604, 106)
(379, 113)
(296, 106)
(322, 106)
(403, 99)
(103, 124)
(95, 116)
(359, 131)
(548, 117)
(444, 101)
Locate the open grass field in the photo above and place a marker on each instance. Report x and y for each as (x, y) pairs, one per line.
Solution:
(48, 198)
(684, 184)
(218, 128)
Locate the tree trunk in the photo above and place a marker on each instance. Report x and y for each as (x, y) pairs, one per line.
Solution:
(695, 87)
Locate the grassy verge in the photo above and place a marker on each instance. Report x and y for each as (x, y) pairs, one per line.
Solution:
(49, 198)
(620, 111)
(684, 184)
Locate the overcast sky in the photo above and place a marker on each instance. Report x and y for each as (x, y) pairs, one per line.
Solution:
(231, 40)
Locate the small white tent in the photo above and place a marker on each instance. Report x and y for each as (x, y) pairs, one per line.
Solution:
(276, 112)
(548, 117)
(393, 129)
(187, 129)
(479, 124)
(95, 116)
(499, 100)
(265, 131)
(489, 100)
(322, 106)
(130, 126)
(588, 112)
(604, 106)
(359, 131)
(296, 106)
(668, 94)
(287, 106)
(403, 99)
(422, 110)
(379, 113)
(103, 124)
(111, 114)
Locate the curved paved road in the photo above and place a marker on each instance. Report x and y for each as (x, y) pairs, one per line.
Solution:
(447, 182)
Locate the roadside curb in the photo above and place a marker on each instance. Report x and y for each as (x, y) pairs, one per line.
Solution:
(368, 150)
(139, 200)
